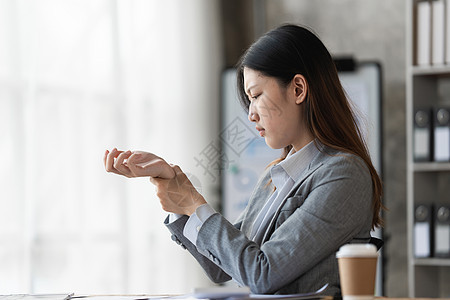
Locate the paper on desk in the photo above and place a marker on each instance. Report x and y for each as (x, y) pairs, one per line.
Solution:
(312, 295)
(35, 297)
(243, 293)
(119, 297)
(220, 292)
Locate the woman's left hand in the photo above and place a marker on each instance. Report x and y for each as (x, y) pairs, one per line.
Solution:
(137, 164)
(177, 195)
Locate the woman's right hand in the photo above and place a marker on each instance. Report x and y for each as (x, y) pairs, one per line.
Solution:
(137, 164)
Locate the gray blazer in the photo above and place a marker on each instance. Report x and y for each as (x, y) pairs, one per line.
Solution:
(329, 206)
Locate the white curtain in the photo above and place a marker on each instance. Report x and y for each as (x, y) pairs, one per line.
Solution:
(78, 77)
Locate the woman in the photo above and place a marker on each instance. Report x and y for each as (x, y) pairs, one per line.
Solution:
(321, 194)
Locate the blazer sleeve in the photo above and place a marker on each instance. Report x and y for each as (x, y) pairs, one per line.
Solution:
(334, 205)
(214, 272)
(205, 258)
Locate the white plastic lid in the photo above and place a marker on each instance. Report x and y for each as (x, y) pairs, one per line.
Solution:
(357, 250)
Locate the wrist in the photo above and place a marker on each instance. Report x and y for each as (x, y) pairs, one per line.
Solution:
(197, 202)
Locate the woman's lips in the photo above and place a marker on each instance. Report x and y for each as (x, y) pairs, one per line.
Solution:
(261, 131)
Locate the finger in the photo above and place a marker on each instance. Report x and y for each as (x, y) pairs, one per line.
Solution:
(104, 157)
(177, 169)
(119, 164)
(109, 160)
(133, 157)
(156, 181)
(122, 156)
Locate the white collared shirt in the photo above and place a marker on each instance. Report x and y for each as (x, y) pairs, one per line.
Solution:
(284, 175)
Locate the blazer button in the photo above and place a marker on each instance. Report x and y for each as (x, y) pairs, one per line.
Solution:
(213, 258)
(175, 239)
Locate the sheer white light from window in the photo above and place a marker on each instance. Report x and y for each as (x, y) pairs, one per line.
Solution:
(79, 77)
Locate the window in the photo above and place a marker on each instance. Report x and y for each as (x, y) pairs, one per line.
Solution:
(79, 77)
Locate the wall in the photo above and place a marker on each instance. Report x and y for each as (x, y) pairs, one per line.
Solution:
(80, 77)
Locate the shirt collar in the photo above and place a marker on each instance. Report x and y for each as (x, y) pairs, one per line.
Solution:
(296, 163)
(279, 176)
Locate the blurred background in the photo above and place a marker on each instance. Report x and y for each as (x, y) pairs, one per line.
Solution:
(78, 77)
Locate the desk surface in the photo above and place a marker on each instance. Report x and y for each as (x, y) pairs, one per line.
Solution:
(167, 296)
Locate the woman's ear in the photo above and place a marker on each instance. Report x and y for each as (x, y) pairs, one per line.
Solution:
(300, 88)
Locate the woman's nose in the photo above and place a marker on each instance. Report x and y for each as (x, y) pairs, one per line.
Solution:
(252, 115)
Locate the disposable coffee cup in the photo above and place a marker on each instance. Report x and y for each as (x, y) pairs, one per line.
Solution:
(357, 271)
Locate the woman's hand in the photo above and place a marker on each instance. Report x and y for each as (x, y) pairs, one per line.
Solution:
(137, 164)
(174, 190)
(177, 195)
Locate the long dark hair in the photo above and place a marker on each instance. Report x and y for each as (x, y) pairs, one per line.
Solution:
(289, 50)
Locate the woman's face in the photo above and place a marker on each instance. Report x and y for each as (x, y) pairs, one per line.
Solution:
(276, 110)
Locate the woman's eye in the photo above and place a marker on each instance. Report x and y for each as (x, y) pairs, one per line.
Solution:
(253, 97)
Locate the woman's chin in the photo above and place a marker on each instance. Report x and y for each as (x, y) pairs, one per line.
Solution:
(273, 145)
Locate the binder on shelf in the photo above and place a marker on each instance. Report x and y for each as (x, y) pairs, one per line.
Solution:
(423, 230)
(423, 37)
(437, 32)
(441, 119)
(447, 31)
(422, 135)
(442, 231)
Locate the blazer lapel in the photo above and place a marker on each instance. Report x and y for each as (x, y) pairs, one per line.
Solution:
(257, 200)
(314, 165)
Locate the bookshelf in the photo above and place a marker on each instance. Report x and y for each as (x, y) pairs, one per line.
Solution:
(428, 182)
